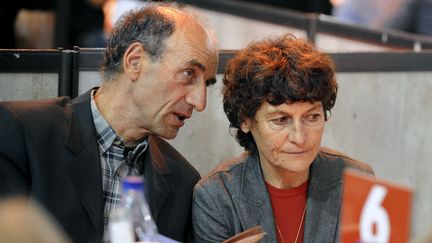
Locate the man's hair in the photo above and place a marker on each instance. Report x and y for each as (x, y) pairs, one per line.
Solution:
(281, 70)
(148, 26)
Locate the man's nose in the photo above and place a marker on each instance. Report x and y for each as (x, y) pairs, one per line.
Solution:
(197, 97)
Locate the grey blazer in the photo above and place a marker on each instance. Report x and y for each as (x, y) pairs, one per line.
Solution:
(234, 198)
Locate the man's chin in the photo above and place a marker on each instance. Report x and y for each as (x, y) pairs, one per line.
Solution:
(169, 134)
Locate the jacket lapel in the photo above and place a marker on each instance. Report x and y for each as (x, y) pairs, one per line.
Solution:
(85, 169)
(155, 168)
(253, 202)
(324, 200)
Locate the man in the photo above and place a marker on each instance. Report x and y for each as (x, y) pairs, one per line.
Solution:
(70, 155)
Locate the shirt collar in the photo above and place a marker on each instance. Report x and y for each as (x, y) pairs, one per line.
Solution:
(105, 134)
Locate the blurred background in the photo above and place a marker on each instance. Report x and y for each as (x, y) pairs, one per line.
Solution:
(85, 23)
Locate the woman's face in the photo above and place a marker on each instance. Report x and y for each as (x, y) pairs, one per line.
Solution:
(288, 136)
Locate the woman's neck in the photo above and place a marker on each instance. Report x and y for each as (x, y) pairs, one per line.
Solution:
(281, 178)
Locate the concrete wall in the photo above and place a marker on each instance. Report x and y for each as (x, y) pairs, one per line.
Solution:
(21, 86)
(236, 32)
(330, 43)
(384, 119)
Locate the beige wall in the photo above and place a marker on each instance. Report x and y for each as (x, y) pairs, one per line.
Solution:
(236, 32)
(20, 86)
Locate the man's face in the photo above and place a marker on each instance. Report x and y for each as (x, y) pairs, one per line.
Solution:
(171, 87)
(288, 136)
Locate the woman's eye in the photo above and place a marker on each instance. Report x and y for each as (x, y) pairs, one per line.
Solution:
(280, 121)
(313, 117)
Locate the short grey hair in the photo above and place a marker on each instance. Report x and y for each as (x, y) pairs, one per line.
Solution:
(148, 26)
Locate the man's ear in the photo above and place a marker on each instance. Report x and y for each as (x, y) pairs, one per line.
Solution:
(132, 61)
(245, 126)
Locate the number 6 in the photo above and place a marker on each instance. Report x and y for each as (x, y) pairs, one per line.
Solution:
(374, 214)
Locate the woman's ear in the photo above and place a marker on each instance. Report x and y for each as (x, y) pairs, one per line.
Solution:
(133, 59)
(245, 126)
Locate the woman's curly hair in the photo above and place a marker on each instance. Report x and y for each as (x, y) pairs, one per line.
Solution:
(281, 70)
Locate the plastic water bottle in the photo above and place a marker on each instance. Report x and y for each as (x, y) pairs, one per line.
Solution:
(120, 228)
(132, 217)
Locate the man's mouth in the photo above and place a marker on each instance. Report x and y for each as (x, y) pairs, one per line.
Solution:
(182, 116)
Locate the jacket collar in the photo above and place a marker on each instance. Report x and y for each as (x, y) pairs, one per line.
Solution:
(81, 130)
(324, 200)
(323, 203)
(253, 200)
(84, 168)
(155, 173)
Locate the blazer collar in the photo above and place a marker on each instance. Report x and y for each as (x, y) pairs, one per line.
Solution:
(84, 167)
(254, 206)
(324, 201)
(81, 126)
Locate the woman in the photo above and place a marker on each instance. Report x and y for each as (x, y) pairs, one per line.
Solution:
(278, 94)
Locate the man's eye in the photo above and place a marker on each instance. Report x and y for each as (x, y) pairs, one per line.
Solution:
(188, 73)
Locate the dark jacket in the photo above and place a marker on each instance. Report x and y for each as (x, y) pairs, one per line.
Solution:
(48, 151)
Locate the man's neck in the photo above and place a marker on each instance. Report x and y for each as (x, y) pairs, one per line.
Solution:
(111, 102)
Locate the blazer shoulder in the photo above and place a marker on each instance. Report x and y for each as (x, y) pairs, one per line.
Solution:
(174, 159)
(225, 170)
(34, 109)
(347, 161)
(38, 116)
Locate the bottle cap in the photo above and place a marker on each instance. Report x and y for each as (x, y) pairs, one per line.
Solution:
(134, 183)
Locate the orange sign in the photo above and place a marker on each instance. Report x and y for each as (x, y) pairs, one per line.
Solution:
(374, 211)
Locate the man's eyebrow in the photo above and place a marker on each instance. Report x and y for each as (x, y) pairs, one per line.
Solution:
(201, 66)
(198, 64)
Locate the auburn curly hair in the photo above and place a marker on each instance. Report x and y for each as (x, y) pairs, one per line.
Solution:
(281, 70)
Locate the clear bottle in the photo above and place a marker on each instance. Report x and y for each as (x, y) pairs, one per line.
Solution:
(133, 209)
(120, 229)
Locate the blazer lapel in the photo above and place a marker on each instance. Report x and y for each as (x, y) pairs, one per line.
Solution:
(85, 169)
(324, 200)
(155, 168)
(253, 203)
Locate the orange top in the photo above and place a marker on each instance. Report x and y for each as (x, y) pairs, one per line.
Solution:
(288, 209)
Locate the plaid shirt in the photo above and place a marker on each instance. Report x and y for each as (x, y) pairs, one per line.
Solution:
(117, 161)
